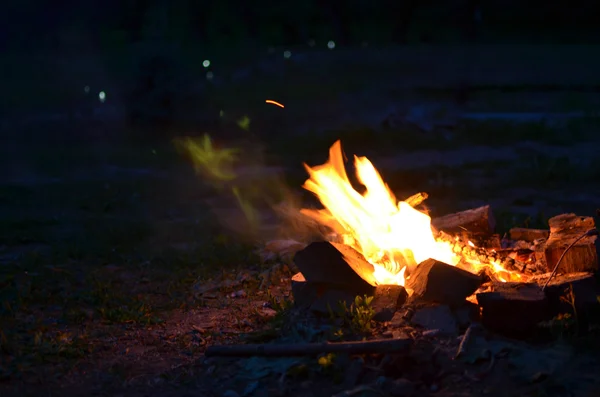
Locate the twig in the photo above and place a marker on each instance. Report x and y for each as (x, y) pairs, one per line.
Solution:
(462, 347)
(592, 232)
(309, 349)
(357, 390)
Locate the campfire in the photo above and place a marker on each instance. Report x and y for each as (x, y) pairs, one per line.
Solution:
(393, 236)
(377, 243)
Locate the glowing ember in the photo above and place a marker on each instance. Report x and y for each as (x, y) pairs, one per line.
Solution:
(391, 235)
(272, 102)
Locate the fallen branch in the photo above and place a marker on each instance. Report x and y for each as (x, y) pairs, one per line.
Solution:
(309, 349)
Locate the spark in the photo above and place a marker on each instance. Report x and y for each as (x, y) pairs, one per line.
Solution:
(274, 103)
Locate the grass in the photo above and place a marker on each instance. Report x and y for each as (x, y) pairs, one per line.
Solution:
(82, 258)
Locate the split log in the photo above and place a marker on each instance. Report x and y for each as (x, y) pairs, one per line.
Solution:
(564, 230)
(477, 222)
(529, 235)
(513, 309)
(378, 346)
(439, 282)
(333, 263)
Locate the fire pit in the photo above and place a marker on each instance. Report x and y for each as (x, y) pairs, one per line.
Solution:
(394, 251)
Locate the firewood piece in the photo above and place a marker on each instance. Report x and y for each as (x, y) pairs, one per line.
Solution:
(333, 263)
(323, 297)
(513, 309)
(386, 300)
(478, 222)
(529, 235)
(564, 229)
(310, 349)
(416, 199)
(439, 282)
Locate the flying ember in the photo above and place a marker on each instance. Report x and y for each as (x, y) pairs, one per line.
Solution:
(392, 235)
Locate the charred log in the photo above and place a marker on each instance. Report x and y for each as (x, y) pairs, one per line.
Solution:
(513, 309)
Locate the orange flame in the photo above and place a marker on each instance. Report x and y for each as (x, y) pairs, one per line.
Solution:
(391, 235)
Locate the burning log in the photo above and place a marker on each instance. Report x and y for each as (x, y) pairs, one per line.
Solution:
(477, 222)
(529, 235)
(564, 230)
(436, 281)
(379, 346)
(513, 309)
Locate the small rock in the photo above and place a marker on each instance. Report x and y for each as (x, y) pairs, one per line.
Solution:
(397, 334)
(239, 294)
(353, 372)
(399, 387)
(466, 314)
(436, 318)
(387, 299)
(250, 388)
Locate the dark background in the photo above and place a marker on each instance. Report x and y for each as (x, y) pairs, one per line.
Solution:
(36, 25)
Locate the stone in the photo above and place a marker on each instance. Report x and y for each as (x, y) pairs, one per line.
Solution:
(396, 387)
(435, 281)
(466, 314)
(387, 299)
(353, 372)
(438, 317)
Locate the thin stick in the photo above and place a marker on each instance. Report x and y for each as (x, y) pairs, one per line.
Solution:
(462, 347)
(309, 349)
(592, 232)
(358, 390)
